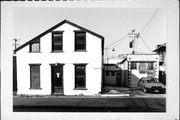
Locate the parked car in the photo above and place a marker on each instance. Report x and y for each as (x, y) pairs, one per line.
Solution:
(147, 84)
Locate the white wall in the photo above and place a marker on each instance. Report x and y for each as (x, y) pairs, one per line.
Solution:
(114, 60)
(145, 58)
(93, 58)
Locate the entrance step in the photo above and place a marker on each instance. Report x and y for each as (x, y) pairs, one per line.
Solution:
(58, 94)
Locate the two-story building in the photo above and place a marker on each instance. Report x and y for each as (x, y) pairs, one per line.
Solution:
(66, 59)
(161, 51)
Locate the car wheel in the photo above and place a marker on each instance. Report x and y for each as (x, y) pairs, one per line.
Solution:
(144, 90)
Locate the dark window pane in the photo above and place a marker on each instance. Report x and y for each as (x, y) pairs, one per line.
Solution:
(107, 73)
(150, 66)
(133, 65)
(80, 81)
(80, 41)
(80, 71)
(142, 68)
(80, 76)
(57, 43)
(35, 76)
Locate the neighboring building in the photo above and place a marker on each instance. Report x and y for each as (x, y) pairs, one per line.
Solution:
(138, 66)
(14, 74)
(66, 59)
(161, 51)
(114, 76)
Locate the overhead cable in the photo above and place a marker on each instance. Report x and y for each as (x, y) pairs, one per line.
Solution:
(117, 41)
(145, 43)
(149, 20)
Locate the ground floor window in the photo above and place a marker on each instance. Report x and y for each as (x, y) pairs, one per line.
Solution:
(146, 67)
(35, 76)
(107, 73)
(142, 68)
(150, 66)
(110, 73)
(80, 76)
(133, 65)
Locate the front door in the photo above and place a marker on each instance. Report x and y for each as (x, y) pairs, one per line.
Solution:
(57, 79)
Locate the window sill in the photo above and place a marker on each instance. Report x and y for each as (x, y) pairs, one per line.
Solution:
(60, 51)
(80, 51)
(35, 88)
(80, 88)
(35, 52)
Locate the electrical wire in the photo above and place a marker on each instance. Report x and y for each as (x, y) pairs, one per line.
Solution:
(149, 20)
(117, 41)
(145, 43)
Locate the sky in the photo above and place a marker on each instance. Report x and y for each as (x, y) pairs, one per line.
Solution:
(112, 23)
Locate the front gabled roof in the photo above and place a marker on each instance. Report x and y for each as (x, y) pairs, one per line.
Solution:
(54, 27)
(123, 60)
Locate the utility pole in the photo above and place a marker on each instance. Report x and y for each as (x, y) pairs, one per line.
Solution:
(107, 49)
(134, 36)
(15, 43)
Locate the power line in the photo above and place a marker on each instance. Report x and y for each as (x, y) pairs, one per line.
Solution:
(117, 41)
(15, 43)
(145, 43)
(150, 20)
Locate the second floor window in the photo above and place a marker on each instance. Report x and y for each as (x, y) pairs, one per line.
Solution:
(35, 46)
(80, 41)
(57, 41)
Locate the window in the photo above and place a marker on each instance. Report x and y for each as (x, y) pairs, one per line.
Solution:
(57, 41)
(35, 46)
(112, 73)
(80, 41)
(118, 74)
(133, 65)
(35, 76)
(107, 73)
(142, 68)
(150, 66)
(80, 76)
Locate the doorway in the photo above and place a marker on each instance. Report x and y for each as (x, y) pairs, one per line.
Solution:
(57, 78)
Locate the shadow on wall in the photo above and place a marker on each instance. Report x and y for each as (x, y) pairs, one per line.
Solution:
(134, 80)
(162, 77)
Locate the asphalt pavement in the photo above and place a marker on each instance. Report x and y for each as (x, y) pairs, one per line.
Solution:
(88, 104)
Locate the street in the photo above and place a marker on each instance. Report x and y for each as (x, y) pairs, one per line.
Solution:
(89, 104)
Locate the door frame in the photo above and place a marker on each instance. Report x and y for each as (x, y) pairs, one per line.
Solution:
(52, 82)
